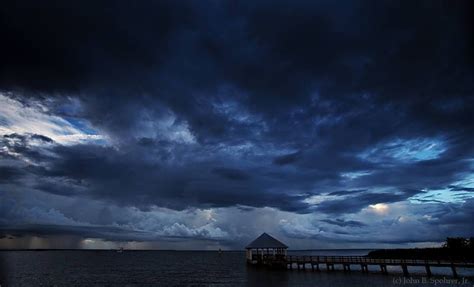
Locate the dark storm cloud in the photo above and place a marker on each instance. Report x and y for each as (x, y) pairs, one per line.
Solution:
(287, 159)
(343, 223)
(346, 192)
(461, 188)
(254, 104)
(231, 173)
(173, 51)
(14, 145)
(9, 174)
(355, 203)
(104, 173)
(457, 218)
(80, 42)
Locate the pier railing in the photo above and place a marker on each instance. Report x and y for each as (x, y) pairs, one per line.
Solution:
(366, 260)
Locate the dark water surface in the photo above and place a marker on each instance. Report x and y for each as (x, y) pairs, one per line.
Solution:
(186, 268)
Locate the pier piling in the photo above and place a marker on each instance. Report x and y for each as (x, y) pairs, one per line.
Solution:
(405, 270)
(455, 274)
(428, 270)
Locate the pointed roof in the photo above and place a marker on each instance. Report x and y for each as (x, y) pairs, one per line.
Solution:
(265, 241)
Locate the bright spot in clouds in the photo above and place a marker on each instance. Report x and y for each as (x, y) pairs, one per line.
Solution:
(355, 174)
(379, 208)
(317, 199)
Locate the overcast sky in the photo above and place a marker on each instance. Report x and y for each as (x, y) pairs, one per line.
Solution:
(201, 124)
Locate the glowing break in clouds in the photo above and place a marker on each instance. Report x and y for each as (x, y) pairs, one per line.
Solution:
(34, 118)
(406, 150)
(379, 208)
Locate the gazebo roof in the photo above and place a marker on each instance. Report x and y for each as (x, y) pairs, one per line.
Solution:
(266, 241)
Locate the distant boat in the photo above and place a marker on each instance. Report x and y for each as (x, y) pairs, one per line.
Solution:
(120, 250)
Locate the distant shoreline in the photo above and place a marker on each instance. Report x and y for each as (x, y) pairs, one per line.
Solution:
(436, 253)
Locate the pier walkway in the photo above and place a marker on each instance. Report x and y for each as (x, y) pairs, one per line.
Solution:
(328, 262)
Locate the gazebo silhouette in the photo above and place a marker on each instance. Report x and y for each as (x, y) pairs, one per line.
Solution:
(265, 246)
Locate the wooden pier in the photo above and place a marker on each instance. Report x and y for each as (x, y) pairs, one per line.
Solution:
(317, 263)
(269, 252)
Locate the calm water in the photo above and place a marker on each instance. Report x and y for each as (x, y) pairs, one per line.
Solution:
(182, 268)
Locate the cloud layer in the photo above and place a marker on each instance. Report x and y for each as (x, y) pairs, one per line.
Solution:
(214, 121)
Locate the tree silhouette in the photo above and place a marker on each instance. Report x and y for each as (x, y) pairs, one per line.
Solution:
(457, 242)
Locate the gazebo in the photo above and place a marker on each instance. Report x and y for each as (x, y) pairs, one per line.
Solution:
(265, 246)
